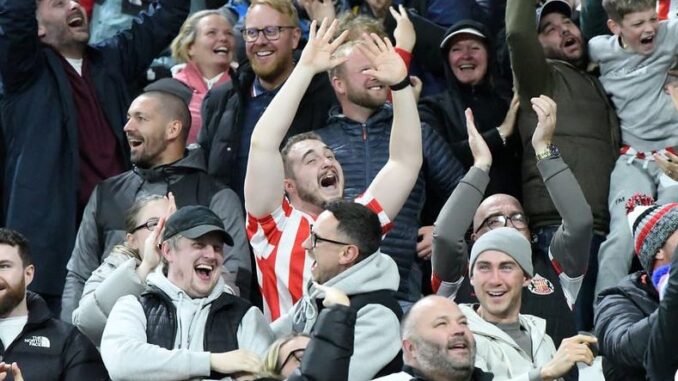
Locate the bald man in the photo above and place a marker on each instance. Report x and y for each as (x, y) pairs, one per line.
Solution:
(437, 344)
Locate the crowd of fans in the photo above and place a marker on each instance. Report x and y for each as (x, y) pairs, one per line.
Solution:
(338, 190)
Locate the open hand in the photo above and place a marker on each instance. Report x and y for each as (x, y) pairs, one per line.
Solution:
(546, 110)
(668, 163)
(10, 368)
(319, 9)
(482, 157)
(317, 54)
(387, 66)
(239, 360)
(405, 36)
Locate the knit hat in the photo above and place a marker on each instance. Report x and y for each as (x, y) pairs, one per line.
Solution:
(651, 225)
(508, 241)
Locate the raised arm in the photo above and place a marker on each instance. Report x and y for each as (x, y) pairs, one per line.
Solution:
(265, 172)
(20, 60)
(450, 252)
(395, 180)
(530, 68)
(571, 244)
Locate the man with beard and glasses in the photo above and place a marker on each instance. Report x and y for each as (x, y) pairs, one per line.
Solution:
(548, 56)
(511, 345)
(286, 190)
(271, 34)
(63, 110)
(157, 129)
(44, 347)
(437, 344)
(358, 132)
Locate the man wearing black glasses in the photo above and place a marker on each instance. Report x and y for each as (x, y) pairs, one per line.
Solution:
(156, 131)
(558, 273)
(271, 34)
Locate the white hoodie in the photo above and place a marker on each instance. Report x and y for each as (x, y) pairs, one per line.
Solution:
(128, 356)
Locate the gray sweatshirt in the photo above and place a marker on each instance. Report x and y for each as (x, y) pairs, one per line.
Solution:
(128, 356)
(636, 85)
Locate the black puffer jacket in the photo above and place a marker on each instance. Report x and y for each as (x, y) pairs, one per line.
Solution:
(363, 149)
(624, 317)
(47, 349)
(489, 100)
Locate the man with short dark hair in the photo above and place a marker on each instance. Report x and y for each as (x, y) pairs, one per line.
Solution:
(344, 247)
(157, 129)
(437, 344)
(44, 347)
(548, 57)
(63, 110)
(185, 325)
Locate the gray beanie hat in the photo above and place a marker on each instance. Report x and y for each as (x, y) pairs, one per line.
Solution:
(508, 241)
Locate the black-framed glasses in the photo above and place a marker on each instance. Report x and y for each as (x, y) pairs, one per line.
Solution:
(518, 220)
(271, 32)
(297, 354)
(315, 238)
(150, 224)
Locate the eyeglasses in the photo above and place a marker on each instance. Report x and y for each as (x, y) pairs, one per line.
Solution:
(518, 220)
(150, 225)
(297, 354)
(315, 238)
(271, 32)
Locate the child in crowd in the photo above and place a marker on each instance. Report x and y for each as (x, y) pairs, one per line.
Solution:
(634, 65)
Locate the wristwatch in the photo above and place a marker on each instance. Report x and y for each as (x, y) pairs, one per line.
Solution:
(550, 152)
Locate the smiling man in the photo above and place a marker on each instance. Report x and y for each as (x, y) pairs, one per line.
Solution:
(70, 97)
(156, 131)
(437, 344)
(44, 347)
(512, 345)
(230, 112)
(185, 325)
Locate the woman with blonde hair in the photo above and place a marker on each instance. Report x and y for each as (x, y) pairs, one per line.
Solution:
(124, 270)
(205, 46)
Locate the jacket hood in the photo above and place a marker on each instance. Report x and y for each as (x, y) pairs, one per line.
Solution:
(479, 326)
(637, 284)
(38, 312)
(193, 160)
(376, 272)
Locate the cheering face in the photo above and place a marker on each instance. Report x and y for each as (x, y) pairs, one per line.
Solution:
(62, 24)
(270, 57)
(317, 175)
(560, 38)
(638, 31)
(146, 131)
(213, 48)
(468, 59)
(497, 282)
(195, 264)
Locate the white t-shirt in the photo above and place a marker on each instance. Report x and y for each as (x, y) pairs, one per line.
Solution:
(10, 328)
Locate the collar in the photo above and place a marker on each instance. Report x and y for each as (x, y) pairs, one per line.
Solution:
(258, 89)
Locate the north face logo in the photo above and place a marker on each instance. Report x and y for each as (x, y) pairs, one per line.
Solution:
(37, 341)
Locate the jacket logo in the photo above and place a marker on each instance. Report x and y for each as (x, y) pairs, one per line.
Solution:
(38, 341)
(540, 285)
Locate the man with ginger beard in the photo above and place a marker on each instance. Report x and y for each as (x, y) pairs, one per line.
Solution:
(437, 344)
(63, 109)
(548, 56)
(44, 347)
(229, 112)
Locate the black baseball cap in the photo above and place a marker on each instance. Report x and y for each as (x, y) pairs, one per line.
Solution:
(193, 222)
(560, 6)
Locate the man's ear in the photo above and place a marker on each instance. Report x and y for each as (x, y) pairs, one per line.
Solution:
(296, 36)
(166, 252)
(173, 130)
(290, 187)
(408, 347)
(338, 85)
(526, 281)
(349, 256)
(29, 272)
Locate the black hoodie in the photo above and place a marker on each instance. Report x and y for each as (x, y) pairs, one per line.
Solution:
(489, 100)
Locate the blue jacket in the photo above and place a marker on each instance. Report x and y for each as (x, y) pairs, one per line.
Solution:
(39, 122)
(363, 149)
